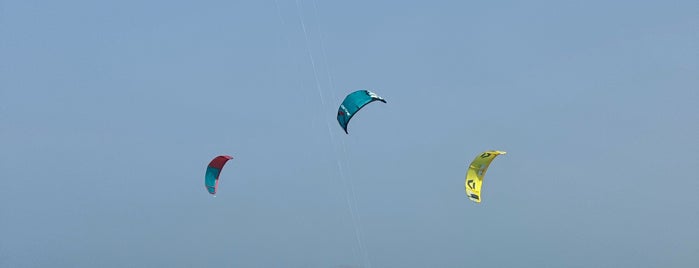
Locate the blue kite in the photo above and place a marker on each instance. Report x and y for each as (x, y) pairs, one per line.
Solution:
(353, 103)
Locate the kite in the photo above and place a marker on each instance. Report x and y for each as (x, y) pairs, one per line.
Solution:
(213, 171)
(476, 172)
(353, 103)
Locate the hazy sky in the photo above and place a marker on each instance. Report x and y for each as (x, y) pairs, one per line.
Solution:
(110, 111)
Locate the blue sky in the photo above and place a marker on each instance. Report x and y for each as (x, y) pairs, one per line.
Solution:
(110, 111)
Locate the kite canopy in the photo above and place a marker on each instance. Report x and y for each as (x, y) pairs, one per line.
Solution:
(353, 103)
(213, 171)
(476, 172)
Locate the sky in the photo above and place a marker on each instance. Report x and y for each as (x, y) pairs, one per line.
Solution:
(111, 110)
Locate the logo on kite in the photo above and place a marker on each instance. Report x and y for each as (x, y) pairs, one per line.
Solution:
(373, 95)
(471, 184)
(343, 111)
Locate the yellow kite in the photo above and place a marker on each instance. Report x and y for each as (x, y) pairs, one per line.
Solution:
(476, 172)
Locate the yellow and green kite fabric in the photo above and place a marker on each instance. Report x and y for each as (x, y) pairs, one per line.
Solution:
(476, 172)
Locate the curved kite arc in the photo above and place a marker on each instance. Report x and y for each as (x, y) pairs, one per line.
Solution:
(475, 173)
(213, 171)
(353, 103)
